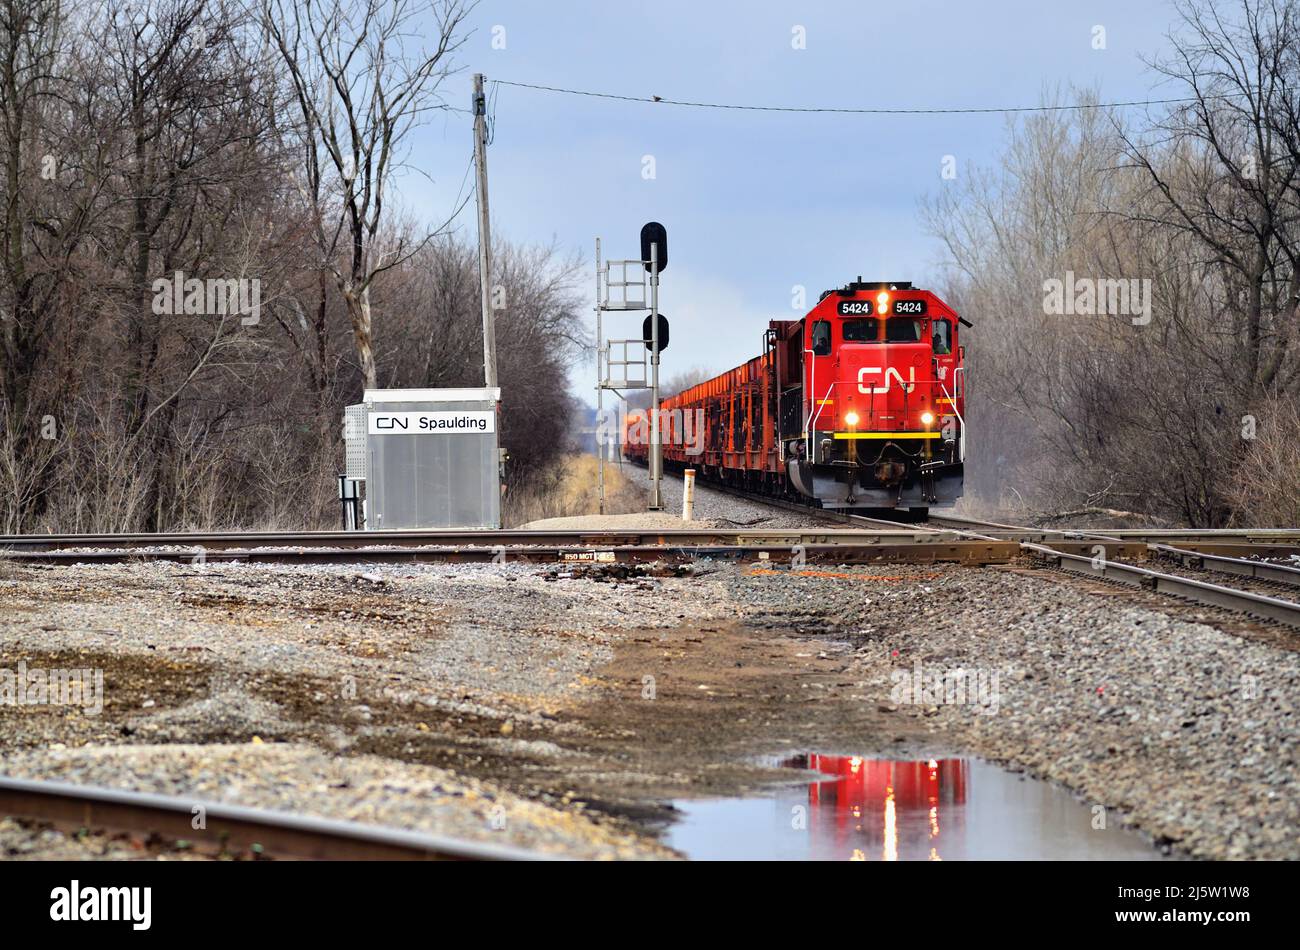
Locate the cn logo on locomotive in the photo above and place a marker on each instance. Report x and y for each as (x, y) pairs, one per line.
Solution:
(889, 371)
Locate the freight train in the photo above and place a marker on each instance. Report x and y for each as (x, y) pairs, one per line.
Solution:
(859, 405)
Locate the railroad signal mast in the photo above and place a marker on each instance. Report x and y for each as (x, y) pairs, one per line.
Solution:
(621, 364)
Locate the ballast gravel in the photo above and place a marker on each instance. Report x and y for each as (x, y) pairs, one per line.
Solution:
(252, 660)
(712, 507)
(298, 779)
(1184, 730)
(312, 688)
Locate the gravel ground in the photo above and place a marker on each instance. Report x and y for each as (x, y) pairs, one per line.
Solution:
(1187, 730)
(300, 779)
(441, 663)
(717, 508)
(637, 521)
(427, 696)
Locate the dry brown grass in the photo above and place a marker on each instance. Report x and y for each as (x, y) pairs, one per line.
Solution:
(1266, 492)
(569, 489)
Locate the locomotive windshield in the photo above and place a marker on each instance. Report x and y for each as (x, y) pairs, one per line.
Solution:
(860, 331)
(898, 330)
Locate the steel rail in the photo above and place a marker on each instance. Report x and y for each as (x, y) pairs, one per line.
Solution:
(1281, 537)
(236, 829)
(849, 551)
(1259, 605)
(1104, 565)
(394, 539)
(1206, 556)
(1260, 570)
(1231, 598)
(1221, 549)
(236, 540)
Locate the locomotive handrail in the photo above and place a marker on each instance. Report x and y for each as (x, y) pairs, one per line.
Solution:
(812, 423)
(961, 443)
(812, 394)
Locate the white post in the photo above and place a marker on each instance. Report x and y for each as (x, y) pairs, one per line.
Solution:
(688, 495)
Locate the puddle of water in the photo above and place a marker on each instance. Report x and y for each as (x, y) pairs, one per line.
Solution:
(892, 810)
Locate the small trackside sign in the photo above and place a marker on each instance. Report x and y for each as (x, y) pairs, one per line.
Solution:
(432, 423)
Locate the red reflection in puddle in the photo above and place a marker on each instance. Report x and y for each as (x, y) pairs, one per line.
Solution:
(876, 810)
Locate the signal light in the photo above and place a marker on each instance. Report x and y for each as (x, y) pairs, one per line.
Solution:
(654, 233)
(647, 332)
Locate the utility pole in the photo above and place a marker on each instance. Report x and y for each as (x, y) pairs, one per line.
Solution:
(484, 234)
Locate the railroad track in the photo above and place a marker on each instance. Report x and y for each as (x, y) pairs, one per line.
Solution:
(235, 830)
(844, 545)
(1226, 542)
(254, 541)
(1106, 553)
(1230, 551)
(861, 540)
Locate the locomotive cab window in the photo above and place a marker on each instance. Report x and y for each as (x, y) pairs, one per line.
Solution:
(821, 338)
(860, 331)
(942, 335)
(899, 330)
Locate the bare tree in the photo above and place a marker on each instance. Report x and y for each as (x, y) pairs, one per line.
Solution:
(433, 307)
(361, 81)
(1201, 202)
(1225, 167)
(164, 136)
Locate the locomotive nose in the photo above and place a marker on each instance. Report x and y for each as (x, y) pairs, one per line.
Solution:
(886, 387)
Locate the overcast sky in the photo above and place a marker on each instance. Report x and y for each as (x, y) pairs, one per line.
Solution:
(754, 202)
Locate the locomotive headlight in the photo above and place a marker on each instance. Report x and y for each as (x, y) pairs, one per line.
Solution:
(927, 418)
(850, 418)
(882, 302)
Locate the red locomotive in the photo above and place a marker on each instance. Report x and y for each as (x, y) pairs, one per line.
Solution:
(858, 405)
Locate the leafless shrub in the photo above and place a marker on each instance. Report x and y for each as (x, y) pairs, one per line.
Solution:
(1266, 485)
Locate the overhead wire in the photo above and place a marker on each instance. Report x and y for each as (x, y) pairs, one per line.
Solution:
(984, 110)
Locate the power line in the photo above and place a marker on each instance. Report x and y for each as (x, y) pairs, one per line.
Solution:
(456, 214)
(492, 114)
(659, 100)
